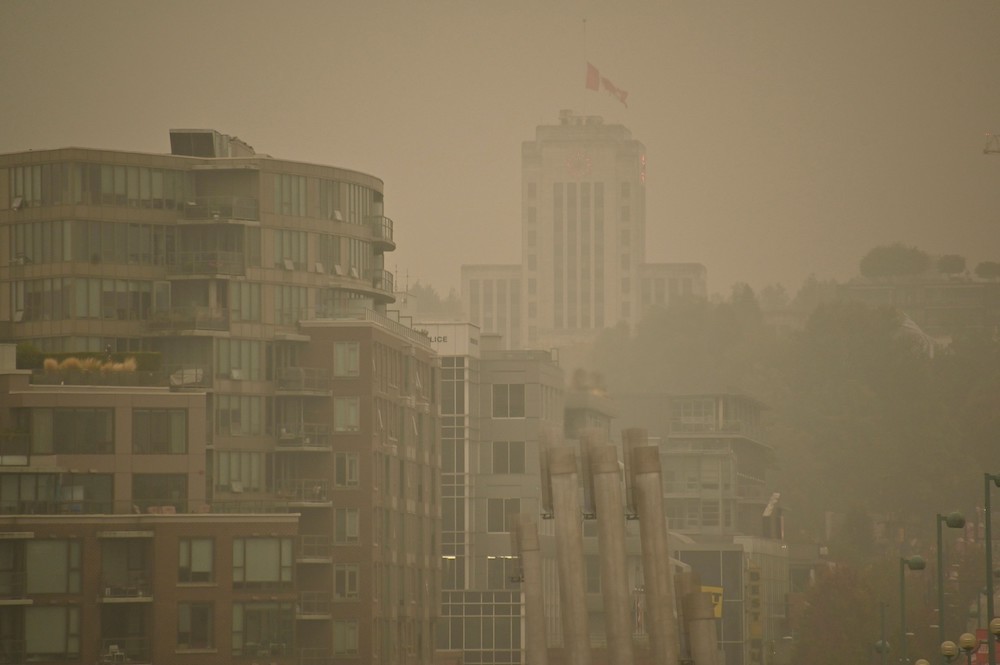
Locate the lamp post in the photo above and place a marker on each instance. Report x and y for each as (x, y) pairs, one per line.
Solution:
(991, 643)
(882, 647)
(953, 521)
(914, 562)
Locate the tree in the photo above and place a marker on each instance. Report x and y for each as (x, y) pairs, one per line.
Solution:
(951, 264)
(840, 623)
(988, 270)
(894, 260)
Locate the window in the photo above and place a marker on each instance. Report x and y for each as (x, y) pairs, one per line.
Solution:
(195, 626)
(345, 638)
(262, 562)
(501, 513)
(195, 560)
(346, 357)
(502, 572)
(160, 489)
(345, 414)
(240, 470)
(345, 470)
(238, 415)
(508, 400)
(72, 431)
(345, 528)
(51, 633)
(593, 568)
(263, 629)
(503, 457)
(345, 581)
(53, 566)
(159, 431)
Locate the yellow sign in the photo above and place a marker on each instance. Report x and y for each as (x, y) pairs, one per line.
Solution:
(716, 592)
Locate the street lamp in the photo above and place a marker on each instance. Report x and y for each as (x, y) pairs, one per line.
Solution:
(968, 643)
(915, 562)
(949, 650)
(953, 521)
(991, 638)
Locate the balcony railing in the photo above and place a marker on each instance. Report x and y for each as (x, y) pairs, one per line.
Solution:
(97, 378)
(131, 585)
(130, 649)
(214, 208)
(251, 506)
(206, 263)
(305, 435)
(315, 656)
(381, 280)
(313, 604)
(315, 546)
(304, 490)
(59, 507)
(381, 227)
(191, 318)
(304, 379)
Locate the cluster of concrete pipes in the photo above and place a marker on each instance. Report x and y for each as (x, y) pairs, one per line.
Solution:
(643, 497)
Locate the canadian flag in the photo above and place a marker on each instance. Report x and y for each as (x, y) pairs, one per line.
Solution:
(595, 81)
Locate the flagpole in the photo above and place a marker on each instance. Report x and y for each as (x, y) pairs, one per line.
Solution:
(583, 95)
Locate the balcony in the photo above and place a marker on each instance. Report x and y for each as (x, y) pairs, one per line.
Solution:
(313, 605)
(303, 380)
(381, 227)
(129, 587)
(206, 263)
(314, 548)
(221, 209)
(305, 437)
(381, 280)
(305, 491)
(131, 649)
(190, 319)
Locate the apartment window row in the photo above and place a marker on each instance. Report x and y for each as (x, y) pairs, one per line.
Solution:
(159, 431)
(290, 194)
(91, 242)
(64, 431)
(489, 639)
(262, 562)
(99, 184)
(347, 202)
(63, 298)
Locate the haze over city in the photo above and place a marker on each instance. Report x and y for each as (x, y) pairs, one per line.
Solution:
(783, 139)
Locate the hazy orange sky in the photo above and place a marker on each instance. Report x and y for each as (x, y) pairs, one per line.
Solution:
(783, 137)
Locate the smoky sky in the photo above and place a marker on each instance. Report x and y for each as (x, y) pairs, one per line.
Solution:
(783, 137)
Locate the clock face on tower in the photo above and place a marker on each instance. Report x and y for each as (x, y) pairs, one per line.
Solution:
(578, 164)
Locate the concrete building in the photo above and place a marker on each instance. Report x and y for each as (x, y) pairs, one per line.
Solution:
(260, 283)
(583, 241)
(495, 406)
(715, 462)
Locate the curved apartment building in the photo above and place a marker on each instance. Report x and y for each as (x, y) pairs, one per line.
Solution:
(261, 284)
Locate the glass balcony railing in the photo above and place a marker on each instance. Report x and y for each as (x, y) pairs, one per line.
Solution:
(190, 318)
(381, 280)
(305, 435)
(304, 490)
(381, 227)
(206, 263)
(214, 208)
